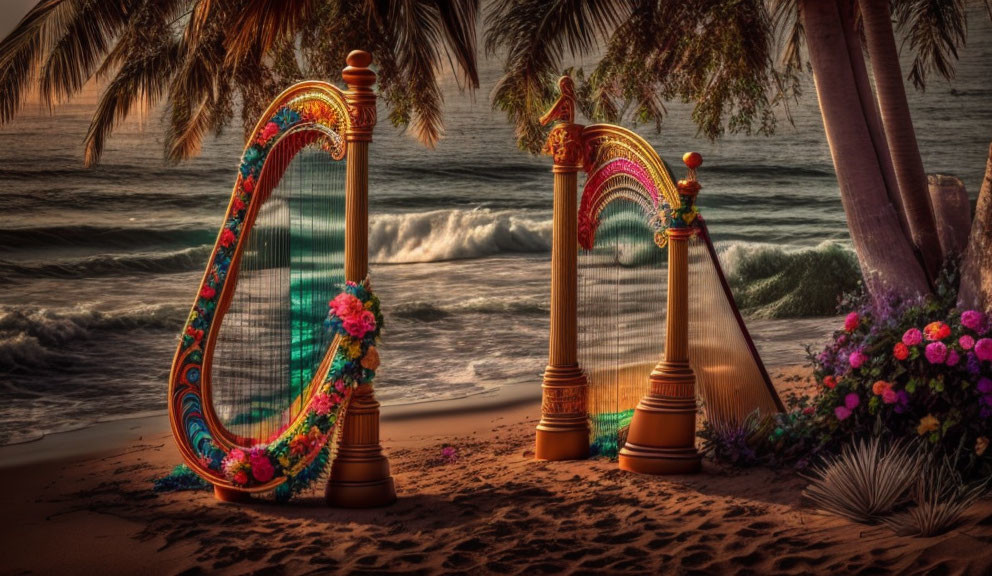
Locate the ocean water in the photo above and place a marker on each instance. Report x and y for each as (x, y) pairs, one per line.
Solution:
(98, 266)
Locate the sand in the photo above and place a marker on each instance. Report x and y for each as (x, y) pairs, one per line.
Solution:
(494, 510)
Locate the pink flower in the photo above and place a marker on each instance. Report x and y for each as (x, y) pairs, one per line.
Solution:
(900, 351)
(936, 352)
(890, 396)
(261, 467)
(851, 322)
(358, 325)
(207, 292)
(340, 386)
(841, 413)
(973, 320)
(952, 358)
(912, 337)
(935, 331)
(856, 359)
(345, 305)
(983, 349)
(851, 401)
(966, 342)
(322, 404)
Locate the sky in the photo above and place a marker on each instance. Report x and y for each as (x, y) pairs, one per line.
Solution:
(11, 12)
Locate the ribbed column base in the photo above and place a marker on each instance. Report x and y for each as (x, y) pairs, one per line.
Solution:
(563, 433)
(360, 472)
(662, 436)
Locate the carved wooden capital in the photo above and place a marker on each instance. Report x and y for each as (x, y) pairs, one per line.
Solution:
(564, 145)
(360, 96)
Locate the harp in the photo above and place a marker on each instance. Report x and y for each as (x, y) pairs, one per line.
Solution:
(645, 278)
(265, 369)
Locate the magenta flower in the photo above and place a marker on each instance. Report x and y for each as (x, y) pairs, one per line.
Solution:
(983, 349)
(852, 401)
(842, 413)
(851, 322)
(856, 359)
(322, 404)
(936, 352)
(966, 342)
(973, 320)
(261, 467)
(912, 337)
(952, 358)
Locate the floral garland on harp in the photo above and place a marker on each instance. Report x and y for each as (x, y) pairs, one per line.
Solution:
(302, 452)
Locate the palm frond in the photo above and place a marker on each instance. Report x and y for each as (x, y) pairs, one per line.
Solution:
(260, 24)
(534, 36)
(934, 30)
(78, 46)
(23, 50)
(144, 78)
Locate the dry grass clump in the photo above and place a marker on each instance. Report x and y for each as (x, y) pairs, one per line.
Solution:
(866, 481)
(940, 497)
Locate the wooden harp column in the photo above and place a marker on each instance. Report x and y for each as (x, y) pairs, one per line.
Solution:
(662, 435)
(360, 473)
(563, 433)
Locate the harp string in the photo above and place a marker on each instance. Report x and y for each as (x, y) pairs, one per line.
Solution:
(273, 337)
(622, 299)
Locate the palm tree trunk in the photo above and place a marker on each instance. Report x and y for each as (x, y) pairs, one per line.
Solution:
(901, 136)
(976, 268)
(885, 252)
(952, 209)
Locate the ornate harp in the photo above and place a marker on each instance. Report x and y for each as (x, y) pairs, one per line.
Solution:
(628, 302)
(263, 373)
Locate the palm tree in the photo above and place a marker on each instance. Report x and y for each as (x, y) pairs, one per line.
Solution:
(720, 54)
(205, 58)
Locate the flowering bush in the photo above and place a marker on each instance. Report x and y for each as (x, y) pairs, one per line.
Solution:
(920, 369)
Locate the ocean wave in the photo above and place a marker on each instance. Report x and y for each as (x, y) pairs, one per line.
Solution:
(769, 282)
(112, 265)
(35, 237)
(422, 311)
(454, 235)
(40, 338)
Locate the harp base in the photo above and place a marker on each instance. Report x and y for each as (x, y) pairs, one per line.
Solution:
(662, 436)
(372, 494)
(230, 495)
(563, 433)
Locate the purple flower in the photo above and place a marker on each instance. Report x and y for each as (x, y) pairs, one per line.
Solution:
(902, 401)
(936, 352)
(974, 320)
(912, 337)
(985, 385)
(842, 413)
(973, 365)
(851, 401)
(983, 349)
(856, 359)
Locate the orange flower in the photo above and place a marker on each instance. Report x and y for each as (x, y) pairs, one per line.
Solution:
(936, 331)
(880, 387)
(371, 359)
(830, 382)
(900, 351)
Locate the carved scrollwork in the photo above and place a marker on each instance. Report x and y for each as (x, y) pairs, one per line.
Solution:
(564, 145)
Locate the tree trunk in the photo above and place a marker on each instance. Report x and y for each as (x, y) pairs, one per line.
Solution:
(886, 254)
(899, 132)
(976, 268)
(952, 209)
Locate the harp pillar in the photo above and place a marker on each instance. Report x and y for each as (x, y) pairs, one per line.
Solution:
(662, 435)
(563, 433)
(360, 472)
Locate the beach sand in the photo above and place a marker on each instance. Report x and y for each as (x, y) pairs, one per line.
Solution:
(495, 510)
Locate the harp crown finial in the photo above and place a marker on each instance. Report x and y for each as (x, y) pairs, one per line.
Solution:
(689, 186)
(563, 109)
